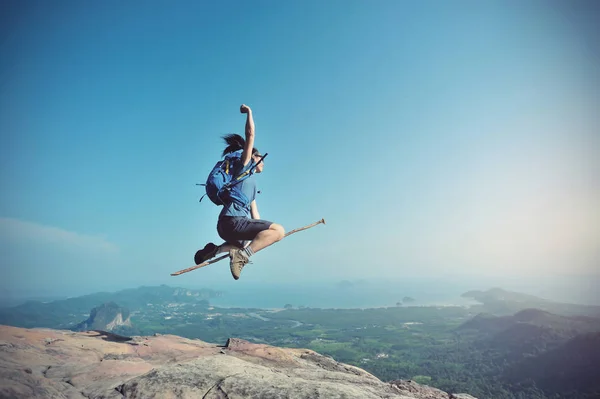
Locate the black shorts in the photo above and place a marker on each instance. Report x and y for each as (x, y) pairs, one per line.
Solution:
(237, 230)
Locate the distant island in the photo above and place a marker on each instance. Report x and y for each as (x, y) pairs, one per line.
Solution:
(405, 300)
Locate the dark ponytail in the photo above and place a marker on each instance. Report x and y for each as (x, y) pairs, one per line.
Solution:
(235, 142)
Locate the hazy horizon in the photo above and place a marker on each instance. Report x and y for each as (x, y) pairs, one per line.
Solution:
(385, 293)
(446, 142)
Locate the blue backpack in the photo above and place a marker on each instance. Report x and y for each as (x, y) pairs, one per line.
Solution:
(221, 181)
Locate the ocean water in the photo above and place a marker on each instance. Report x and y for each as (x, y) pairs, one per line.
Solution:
(339, 295)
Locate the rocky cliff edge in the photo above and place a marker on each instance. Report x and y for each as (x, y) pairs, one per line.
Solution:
(46, 363)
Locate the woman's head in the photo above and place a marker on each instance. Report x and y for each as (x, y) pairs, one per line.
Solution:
(256, 157)
(235, 142)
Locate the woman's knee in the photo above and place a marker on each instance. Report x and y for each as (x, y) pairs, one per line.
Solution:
(279, 229)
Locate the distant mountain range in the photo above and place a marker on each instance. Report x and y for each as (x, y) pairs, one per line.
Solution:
(503, 302)
(558, 354)
(571, 367)
(67, 313)
(530, 331)
(487, 323)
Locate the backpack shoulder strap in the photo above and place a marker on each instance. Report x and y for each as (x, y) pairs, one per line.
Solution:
(247, 173)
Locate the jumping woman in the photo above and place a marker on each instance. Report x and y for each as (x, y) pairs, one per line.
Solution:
(239, 224)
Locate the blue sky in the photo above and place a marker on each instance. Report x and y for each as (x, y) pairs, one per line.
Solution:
(448, 139)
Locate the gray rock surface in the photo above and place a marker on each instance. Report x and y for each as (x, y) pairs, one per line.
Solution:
(409, 387)
(45, 363)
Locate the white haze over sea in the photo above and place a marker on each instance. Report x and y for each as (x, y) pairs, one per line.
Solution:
(367, 294)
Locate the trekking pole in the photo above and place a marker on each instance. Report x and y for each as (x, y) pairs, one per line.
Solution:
(305, 227)
(210, 262)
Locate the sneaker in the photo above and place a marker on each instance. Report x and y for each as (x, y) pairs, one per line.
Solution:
(209, 251)
(237, 261)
